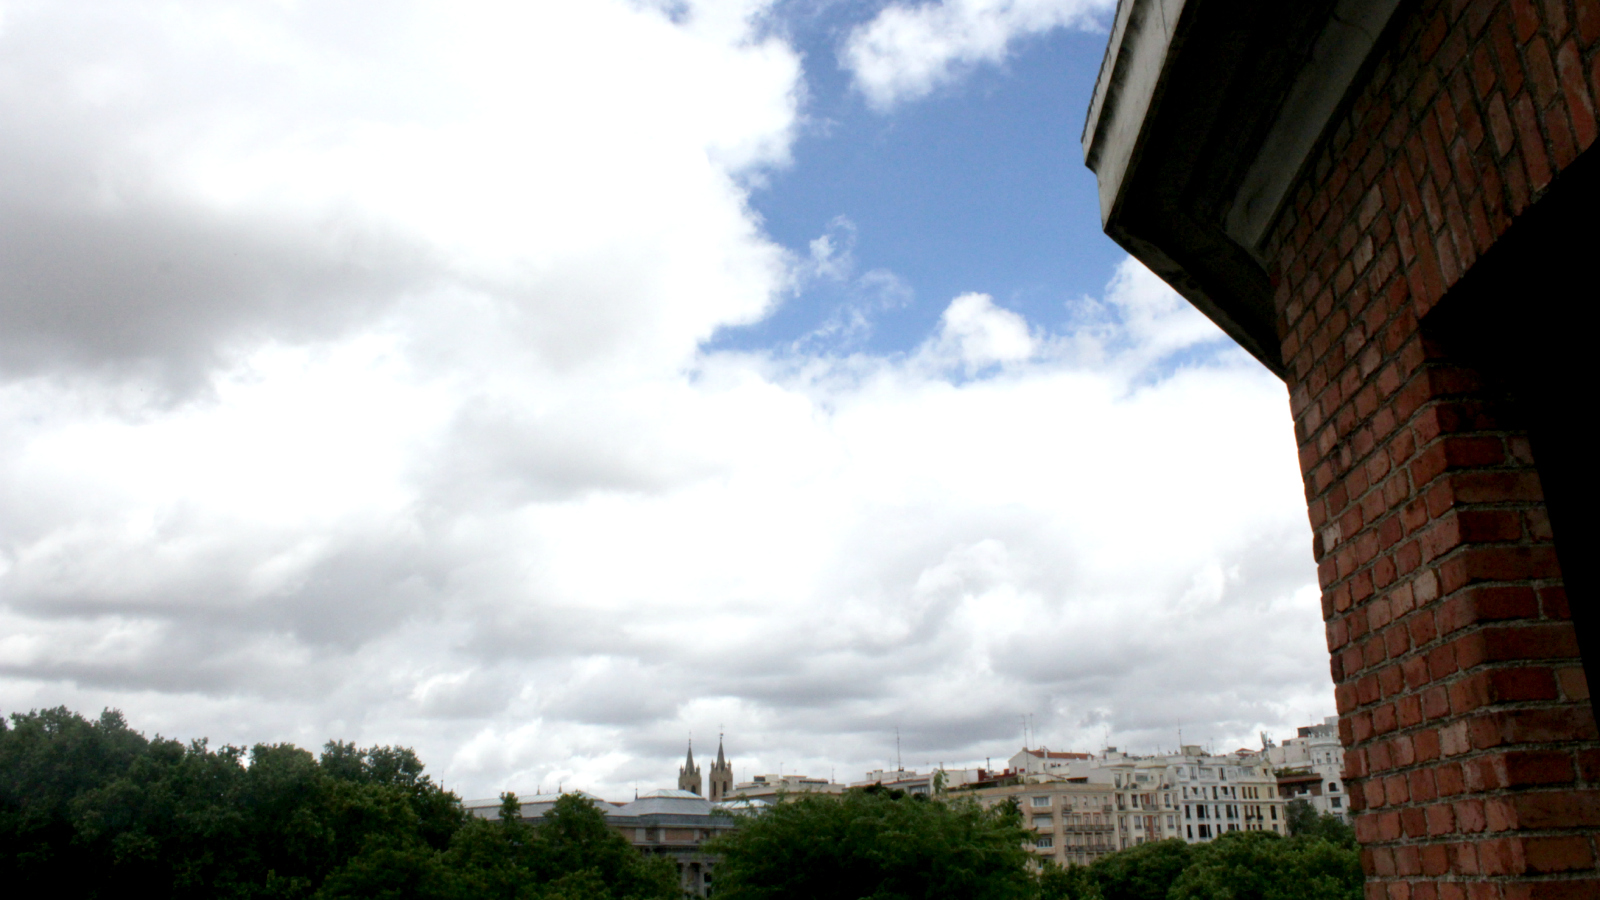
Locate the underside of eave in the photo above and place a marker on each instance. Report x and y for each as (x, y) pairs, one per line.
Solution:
(1223, 78)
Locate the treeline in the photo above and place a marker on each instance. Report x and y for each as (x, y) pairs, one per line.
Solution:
(93, 809)
(888, 845)
(1320, 864)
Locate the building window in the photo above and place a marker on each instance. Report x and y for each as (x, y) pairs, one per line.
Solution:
(1041, 821)
(1333, 787)
(1274, 817)
(1334, 802)
(1041, 801)
(1044, 842)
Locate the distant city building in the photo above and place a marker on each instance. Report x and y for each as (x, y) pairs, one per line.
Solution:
(909, 780)
(1072, 821)
(721, 775)
(689, 774)
(769, 787)
(1191, 795)
(1310, 767)
(1046, 762)
(672, 824)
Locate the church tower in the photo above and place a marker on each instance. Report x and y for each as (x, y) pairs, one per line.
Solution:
(689, 775)
(721, 775)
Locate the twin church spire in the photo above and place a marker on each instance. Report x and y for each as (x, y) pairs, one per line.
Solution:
(721, 775)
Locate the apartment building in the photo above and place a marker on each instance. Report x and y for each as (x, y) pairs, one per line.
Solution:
(1310, 767)
(1219, 794)
(1071, 821)
(1190, 795)
(771, 787)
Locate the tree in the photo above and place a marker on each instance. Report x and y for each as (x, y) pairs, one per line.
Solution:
(1071, 882)
(572, 852)
(1144, 872)
(1300, 816)
(1260, 865)
(875, 843)
(48, 759)
(1334, 830)
(93, 809)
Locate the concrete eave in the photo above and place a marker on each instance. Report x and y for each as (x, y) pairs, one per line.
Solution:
(1204, 114)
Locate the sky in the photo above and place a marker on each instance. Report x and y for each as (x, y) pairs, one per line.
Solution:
(545, 385)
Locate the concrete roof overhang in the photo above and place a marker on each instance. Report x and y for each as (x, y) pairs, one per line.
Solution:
(1204, 114)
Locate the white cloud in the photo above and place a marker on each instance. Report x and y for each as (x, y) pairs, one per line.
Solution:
(909, 49)
(980, 334)
(384, 416)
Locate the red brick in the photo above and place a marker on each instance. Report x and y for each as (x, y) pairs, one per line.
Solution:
(1573, 683)
(1588, 22)
(1531, 142)
(1580, 105)
(1462, 699)
(1526, 19)
(1557, 854)
(1541, 72)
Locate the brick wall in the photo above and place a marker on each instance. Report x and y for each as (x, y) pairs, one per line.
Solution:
(1470, 740)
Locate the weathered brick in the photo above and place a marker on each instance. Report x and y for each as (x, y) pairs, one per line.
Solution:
(1463, 700)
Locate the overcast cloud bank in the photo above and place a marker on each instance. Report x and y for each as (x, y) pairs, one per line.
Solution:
(353, 386)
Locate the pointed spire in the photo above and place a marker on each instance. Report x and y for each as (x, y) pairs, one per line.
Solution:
(721, 760)
(689, 775)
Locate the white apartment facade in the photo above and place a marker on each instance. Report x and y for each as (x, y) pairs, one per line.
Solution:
(770, 787)
(1219, 794)
(1310, 767)
(1190, 795)
(1042, 761)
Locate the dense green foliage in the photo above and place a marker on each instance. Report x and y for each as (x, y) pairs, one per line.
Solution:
(1303, 821)
(875, 843)
(1240, 865)
(1260, 865)
(886, 846)
(1144, 872)
(93, 809)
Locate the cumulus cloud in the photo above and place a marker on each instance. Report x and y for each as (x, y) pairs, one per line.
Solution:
(192, 179)
(979, 334)
(354, 386)
(909, 49)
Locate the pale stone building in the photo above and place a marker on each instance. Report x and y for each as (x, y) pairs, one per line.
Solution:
(1310, 767)
(769, 787)
(1072, 821)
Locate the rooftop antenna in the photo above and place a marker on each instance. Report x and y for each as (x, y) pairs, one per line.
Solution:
(897, 766)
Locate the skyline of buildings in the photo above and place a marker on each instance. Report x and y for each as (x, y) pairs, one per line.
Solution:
(1078, 806)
